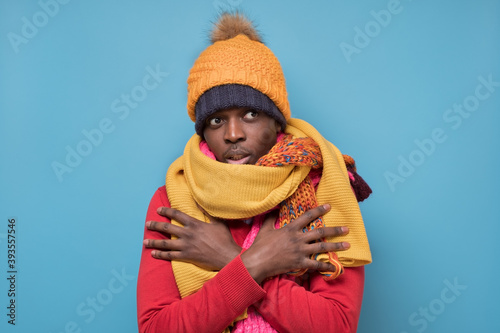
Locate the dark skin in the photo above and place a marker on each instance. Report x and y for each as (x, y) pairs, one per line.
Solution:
(208, 245)
(243, 135)
(240, 135)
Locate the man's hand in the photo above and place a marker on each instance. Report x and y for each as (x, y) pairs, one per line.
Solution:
(277, 251)
(208, 245)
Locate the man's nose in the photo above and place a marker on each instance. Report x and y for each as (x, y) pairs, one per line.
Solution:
(234, 131)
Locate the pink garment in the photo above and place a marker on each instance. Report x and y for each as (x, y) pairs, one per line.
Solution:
(315, 176)
(254, 321)
(330, 305)
(205, 149)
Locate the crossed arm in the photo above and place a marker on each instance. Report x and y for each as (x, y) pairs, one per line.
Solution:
(241, 281)
(274, 251)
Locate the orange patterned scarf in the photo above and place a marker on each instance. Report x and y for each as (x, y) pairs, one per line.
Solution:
(300, 152)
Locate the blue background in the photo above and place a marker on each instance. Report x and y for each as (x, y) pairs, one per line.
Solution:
(432, 220)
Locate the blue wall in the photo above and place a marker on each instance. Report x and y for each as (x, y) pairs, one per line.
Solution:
(411, 89)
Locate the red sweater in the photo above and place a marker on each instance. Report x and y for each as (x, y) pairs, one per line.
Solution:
(316, 306)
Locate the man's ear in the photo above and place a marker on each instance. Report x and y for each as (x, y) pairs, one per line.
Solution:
(278, 126)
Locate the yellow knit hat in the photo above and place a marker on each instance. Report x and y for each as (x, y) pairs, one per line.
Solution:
(237, 56)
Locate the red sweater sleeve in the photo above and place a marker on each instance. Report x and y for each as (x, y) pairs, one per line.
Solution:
(326, 306)
(321, 306)
(211, 309)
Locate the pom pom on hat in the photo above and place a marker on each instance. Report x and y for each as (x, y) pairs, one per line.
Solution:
(236, 57)
(231, 25)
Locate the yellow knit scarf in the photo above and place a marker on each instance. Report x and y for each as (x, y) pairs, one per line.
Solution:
(230, 191)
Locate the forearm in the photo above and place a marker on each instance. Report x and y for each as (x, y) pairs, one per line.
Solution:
(326, 307)
(212, 308)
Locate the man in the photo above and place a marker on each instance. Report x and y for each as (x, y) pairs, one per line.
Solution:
(244, 246)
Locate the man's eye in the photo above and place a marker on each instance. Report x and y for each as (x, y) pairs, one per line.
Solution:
(214, 121)
(251, 114)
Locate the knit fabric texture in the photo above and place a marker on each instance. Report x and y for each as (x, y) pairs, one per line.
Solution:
(300, 152)
(243, 191)
(238, 60)
(234, 95)
(253, 323)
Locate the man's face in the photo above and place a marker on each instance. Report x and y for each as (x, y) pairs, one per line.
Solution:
(240, 135)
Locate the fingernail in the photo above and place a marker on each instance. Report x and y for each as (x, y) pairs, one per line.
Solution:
(158, 210)
(153, 253)
(345, 230)
(145, 242)
(326, 206)
(346, 245)
(148, 223)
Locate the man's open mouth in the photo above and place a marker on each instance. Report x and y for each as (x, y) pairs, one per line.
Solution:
(238, 159)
